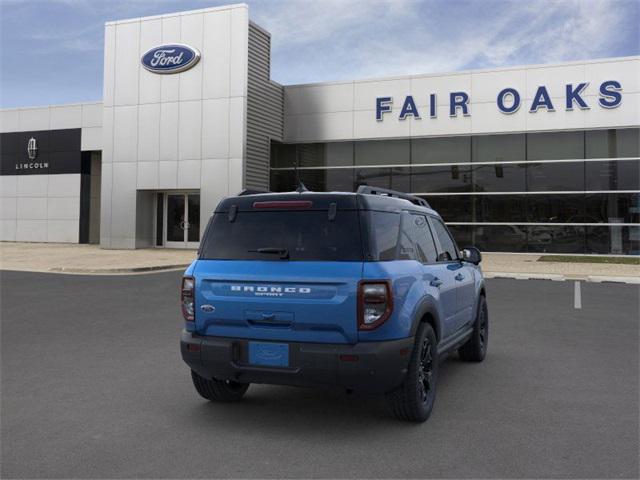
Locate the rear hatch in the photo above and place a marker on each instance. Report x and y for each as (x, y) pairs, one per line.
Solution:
(280, 270)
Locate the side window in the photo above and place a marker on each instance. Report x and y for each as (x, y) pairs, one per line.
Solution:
(424, 240)
(448, 250)
(406, 244)
(385, 227)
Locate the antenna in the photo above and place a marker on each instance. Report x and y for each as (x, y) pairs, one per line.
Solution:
(301, 188)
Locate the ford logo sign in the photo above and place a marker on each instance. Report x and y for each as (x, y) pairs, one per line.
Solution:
(173, 58)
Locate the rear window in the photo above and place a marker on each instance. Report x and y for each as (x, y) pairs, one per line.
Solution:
(304, 235)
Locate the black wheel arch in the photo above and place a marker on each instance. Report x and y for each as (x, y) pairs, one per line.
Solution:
(427, 312)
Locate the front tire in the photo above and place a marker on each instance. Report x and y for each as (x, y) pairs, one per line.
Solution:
(218, 390)
(413, 400)
(476, 347)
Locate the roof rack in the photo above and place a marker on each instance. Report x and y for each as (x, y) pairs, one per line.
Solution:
(367, 189)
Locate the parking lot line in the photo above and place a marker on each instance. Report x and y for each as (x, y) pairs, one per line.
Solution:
(577, 295)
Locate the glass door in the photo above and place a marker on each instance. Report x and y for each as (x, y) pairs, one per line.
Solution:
(182, 220)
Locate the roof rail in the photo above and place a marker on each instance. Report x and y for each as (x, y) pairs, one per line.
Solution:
(367, 189)
(252, 192)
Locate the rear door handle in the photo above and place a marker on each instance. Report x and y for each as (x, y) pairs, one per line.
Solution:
(436, 282)
(459, 277)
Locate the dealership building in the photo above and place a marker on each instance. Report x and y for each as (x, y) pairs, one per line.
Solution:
(542, 158)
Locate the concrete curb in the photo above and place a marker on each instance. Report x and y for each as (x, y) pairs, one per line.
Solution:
(561, 278)
(97, 271)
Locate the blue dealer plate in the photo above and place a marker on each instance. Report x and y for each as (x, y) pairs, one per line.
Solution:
(269, 354)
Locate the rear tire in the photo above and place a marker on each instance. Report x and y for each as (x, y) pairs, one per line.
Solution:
(413, 400)
(218, 390)
(476, 347)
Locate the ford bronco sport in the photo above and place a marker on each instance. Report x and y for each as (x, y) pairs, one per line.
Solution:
(365, 291)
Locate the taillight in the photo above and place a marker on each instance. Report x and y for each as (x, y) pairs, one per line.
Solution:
(186, 298)
(375, 303)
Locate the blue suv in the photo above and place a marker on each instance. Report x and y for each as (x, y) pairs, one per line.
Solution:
(366, 291)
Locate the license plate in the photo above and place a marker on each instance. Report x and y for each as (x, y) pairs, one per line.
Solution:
(269, 354)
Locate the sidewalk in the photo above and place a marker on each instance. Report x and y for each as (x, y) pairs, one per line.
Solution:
(71, 258)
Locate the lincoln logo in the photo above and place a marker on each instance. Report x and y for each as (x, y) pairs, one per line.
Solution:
(32, 149)
(170, 58)
(271, 291)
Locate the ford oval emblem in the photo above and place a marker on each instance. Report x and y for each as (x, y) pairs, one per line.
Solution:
(172, 58)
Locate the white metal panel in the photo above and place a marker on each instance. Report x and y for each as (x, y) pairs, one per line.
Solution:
(91, 115)
(150, 36)
(485, 86)
(214, 186)
(107, 135)
(216, 54)
(366, 126)
(168, 174)
(32, 185)
(8, 185)
(169, 131)
(149, 132)
(31, 230)
(63, 231)
(237, 126)
(108, 84)
(190, 130)
(239, 51)
(191, 80)
(170, 84)
(91, 138)
(215, 128)
(441, 85)
(189, 174)
(34, 119)
(31, 208)
(125, 134)
(554, 78)
(123, 200)
(443, 124)
(65, 116)
(63, 208)
(487, 118)
(236, 171)
(559, 119)
(9, 120)
(127, 63)
(8, 208)
(64, 185)
(8, 230)
(627, 114)
(147, 175)
(337, 97)
(626, 72)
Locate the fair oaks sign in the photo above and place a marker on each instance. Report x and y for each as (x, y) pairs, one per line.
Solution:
(508, 101)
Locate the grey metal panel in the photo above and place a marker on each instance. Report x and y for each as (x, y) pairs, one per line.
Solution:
(265, 110)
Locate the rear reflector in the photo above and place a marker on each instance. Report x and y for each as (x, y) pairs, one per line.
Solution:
(349, 358)
(284, 204)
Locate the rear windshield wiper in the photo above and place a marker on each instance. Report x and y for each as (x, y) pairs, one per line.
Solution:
(283, 252)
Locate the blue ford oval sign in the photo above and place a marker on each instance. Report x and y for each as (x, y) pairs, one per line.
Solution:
(171, 58)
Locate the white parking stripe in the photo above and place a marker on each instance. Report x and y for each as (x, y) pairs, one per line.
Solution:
(577, 296)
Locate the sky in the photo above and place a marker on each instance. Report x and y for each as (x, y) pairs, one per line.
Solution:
(51, 51)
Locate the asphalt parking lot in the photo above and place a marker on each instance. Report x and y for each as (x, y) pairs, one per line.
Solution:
(93, 387)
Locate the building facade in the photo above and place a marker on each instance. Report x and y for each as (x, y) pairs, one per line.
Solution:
(539, 158)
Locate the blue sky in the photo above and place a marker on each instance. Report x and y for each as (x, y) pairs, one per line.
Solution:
(51, 51)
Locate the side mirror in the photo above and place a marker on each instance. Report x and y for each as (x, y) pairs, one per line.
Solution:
(471, 255)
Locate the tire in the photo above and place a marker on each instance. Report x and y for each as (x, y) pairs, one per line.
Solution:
(218, 390)
(476, 347)
(413, 400)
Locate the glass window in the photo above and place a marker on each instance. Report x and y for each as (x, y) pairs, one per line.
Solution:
(543, 177)
(555, 145)
(441, 150)
(462, 234)
(382, 152)
(384, 227)
(307, 235)
(556, 239)
(439, 179)
(396, 178)
(555, 208)
(339, 180)
(500, 208)
(613, 240)
(613, 208)
(282, 155)
(338, 154)
(613, 175)
(408, 239)
(499, 148)
(448, 249)
(310, 154)
(500, 238)
(282, 181)
(612, 143)
(425, 246)
(499, 178)
(453, 208)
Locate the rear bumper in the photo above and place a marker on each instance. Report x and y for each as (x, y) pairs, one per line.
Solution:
(380, 366)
